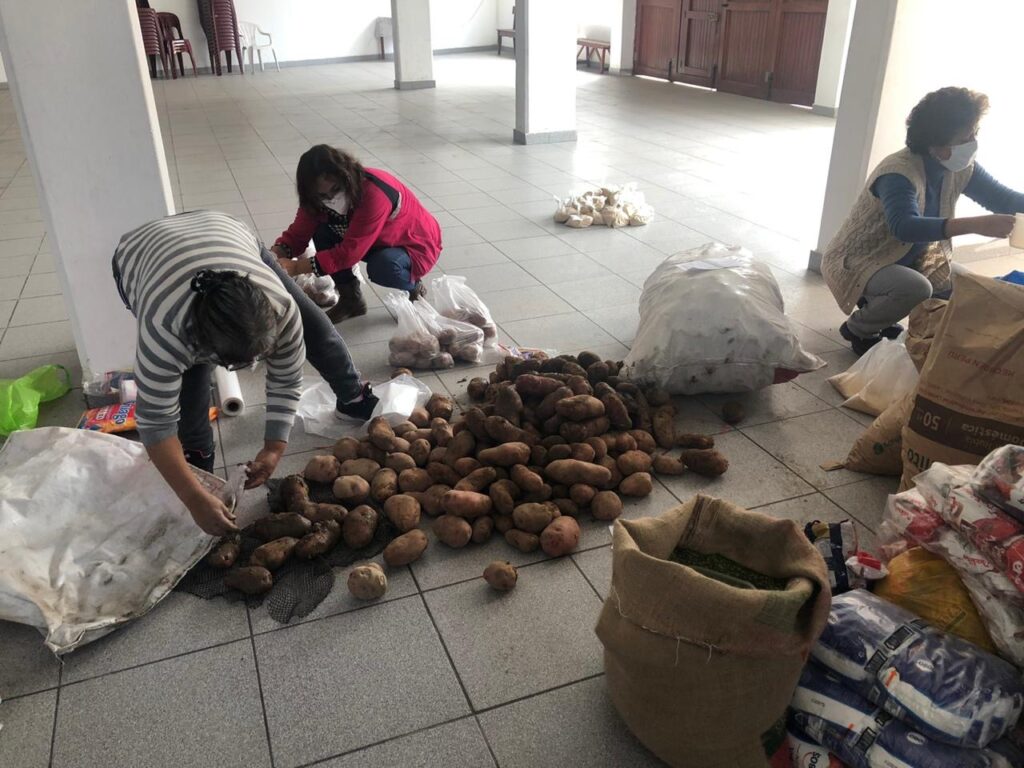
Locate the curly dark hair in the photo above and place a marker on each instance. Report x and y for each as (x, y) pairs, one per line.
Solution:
(943, 114)
(231, 319)
(337, 165)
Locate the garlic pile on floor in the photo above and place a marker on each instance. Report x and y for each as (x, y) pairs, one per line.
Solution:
(612, 206)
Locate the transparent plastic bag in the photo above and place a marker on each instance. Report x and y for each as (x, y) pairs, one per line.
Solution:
(1000, 479)
(457, 301)
(321, 290)
(460, 340)
(413, 345)
(879, 378)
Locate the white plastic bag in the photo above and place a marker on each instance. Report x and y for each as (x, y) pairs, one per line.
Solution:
(456, 300)
(461, 340)
(321, 290)
(413, 344)
(712, 319)
(879, 378)
(399, 397)
(91, 536)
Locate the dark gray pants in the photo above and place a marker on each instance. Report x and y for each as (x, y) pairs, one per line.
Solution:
(891, 294)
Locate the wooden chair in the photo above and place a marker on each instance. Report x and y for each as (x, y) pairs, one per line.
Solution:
(590, 46)
(175, 43)
(152, 40)
(510, 33)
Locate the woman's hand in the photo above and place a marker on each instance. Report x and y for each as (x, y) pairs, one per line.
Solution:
(994, 225)
(263, 466)
(211, 514)
(296, 266)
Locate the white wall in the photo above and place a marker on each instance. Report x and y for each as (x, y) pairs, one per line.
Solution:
(834, 47)
(3, 72)
(594, 18)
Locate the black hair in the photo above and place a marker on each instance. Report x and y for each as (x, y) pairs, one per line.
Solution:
(231, 319)
(335, 164)
(943, 114)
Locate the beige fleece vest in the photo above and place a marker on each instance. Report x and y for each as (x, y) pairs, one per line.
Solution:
(864, 243)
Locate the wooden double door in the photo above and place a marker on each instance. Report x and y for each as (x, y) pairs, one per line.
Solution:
(766, 49)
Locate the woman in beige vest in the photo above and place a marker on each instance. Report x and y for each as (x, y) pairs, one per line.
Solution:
(893, 251)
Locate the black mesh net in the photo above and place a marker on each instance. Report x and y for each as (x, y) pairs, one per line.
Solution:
(299, 585)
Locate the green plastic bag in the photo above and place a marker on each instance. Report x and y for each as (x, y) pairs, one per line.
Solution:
(20, 398)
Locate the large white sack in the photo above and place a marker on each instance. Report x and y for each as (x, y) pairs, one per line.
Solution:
(712, 319)
(882, 376)
(90, 534)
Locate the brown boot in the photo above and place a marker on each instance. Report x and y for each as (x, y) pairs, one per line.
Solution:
(418, 291)
(350, 304)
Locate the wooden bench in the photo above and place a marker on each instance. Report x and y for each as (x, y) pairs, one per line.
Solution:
(590, 47)
(509, 33)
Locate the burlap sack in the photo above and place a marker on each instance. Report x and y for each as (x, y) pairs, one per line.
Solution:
(970, 398)
(697, 668)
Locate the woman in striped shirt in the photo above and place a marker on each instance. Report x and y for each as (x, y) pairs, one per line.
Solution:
(205, 292)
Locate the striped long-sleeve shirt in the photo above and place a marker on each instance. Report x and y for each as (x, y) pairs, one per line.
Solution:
(157, 262)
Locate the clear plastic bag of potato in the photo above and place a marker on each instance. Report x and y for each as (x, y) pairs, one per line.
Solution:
(321, 290)
(456, 300)
(413, 345)
(461, 340)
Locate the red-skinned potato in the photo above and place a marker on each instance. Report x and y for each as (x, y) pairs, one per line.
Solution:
(505, 455)
(466, 504)
(570, 471)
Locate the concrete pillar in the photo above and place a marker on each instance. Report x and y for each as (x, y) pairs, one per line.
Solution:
(545, 72)
(414, 56)
(623, 36)
(833, 56)
(92, 136)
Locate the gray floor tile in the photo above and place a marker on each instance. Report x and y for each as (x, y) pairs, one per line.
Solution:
(33, 340)
(596, 565)
(41, 285)
(817, 506)
(565, 268)
(620, 322)
(14, 266)
(598, 292)
(459, 235)
(497, 277)
(441, 566)
(12, 369)
(496, 654)
(456, 257)
(44, 263)
(806, 442)
(816, 382)
(754, 477)
(179, 624)
(10, 287)
(242, 437)
(28, 730)
(375, 326)
(566, 333)
(774, 403)
(453, 745)
(379, 673)
(44, 309)
(25, 246)
(29, 666)
(524, 303)
(533, 733)
(541, 247)
(695, 417)
(865, 500)
(174, 713)
(492, 213)
(6, 310)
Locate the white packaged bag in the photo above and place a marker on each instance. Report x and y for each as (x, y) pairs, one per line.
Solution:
(883, 375)
(712, 319)
(91, 536)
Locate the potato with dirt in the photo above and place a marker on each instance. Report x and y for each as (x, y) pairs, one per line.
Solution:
(322, 469)
(467, 504)
(523, 541)
(453, 531)
(637, 485)
(250, 580)
(322, 539)
(225, 552)
(606, 506)
(733, 412)
(571, 471)
(477, 389)
(278, 526)
(321, 513)
(403, 511)
(560, 537)
(615, 475)
(405, 549)
(461, 446)
(579, 431)
(582, 494)
(642, 440)
(508, 404)
(439, 407)
(273, 554)
(384, 485)
(631, 462)
(527, 480)
(381, 434)
(534, 517)
(700, 442)
(579, 408)
(430, 500)
(442, 473)
(359, 527)
(501, 575)
(665, 464)
(549, 404)
(532, 385)
(399, 461)
(501, 430)
(479, 480)
(483, 527)
(466, 466)
(365, 468)
(506, 455)
(414, 480)
(294, 493)
(367, 582)
(440, 432)
(419, 451)
(351, 490)
(600, 448)
(346, 448)
(705, 463)
(503, 495)
(420, 417)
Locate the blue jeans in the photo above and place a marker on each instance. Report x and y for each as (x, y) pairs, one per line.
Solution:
(390, 267)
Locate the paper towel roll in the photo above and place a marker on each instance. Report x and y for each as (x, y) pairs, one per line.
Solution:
(229, 392)
(1017, 235)
(128, 391)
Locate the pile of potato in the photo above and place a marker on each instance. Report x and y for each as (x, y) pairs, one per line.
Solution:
(547, 441)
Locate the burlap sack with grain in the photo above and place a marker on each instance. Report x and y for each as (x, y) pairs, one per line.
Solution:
(697, 668)
(970, 398)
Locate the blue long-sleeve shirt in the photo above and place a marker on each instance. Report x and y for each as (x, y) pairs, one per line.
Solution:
(908, 223)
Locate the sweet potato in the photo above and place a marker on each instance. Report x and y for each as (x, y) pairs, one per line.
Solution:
(664, 464)
(225, 552)
(521, 540)
(503, 495)
(706, 463)
(664, 419)
(420, 417)
(359, 527)
(430, 500)
(466, 466)
(479, 480)
(597, 372)
(533, 518)
(508, 404)
(475, 420)
(638, 484)
(439, 406)
(442, 473)
(320, 513)
(561, 537)
(642, 440)
(578, 383)
(566, 506)
(615, 475)
(346, 448)
(501, 575)
(384, 484)
(700, 442)
(582, 494)
(616, 411)
(351, 489)
(532, 385)
(579, 408)
(461, 446)
(606, 505)
(400, 461)
(579, 431)
(405, 549)
(467, 504)
(273, 554)
(505, 455)
(294, 493)
(453, 531)
(321, 540)
(365, 468)
(381, 434)
(587, 358)
(582, 452)
(733, 412)
(483, 527)
(570, 471)
(477, 389)
(403, 511)
(526, 480)
(440, 432)
(252, 580)
(632, 462)
(414, 480)
(367, 582)
(548, 405)
(419, 450)
(278, 526)
(501, 430)
(519, 367)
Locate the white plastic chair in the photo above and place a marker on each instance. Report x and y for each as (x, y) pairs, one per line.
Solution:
(250, 34)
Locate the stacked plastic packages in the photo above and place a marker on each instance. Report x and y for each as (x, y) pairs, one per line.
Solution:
(612, 206)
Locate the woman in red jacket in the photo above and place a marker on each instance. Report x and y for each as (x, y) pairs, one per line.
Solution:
(355, 214)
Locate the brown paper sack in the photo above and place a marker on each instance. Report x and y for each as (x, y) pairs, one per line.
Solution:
(700, 669)
(970, 398)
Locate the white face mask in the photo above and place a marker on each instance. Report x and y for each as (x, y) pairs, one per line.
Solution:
(961, 156)
(338, 204)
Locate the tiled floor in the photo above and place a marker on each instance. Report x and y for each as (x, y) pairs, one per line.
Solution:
(442, 672)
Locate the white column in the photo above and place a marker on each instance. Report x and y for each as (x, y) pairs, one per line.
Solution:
(91, 134)
(623, 36)
(545, 72)
(414, 57)
(833, 56)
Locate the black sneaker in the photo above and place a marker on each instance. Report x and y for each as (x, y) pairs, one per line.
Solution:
(858, 344)
(361, 408)
(892, 332)
(200, 459)
(418, 291)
